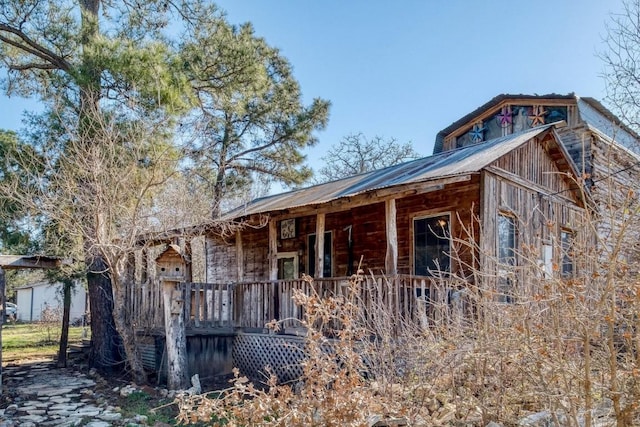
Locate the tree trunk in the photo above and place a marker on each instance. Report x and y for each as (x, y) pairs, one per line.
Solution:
(219, 185)
(106, 345)
(124, 323)
(106, 349)
(64, 335)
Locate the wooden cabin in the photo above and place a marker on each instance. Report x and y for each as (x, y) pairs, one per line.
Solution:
(420, 231)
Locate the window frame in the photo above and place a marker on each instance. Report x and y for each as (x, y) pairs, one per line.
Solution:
(566, 253)
(296, 268)
(421, 217)
(506, 271)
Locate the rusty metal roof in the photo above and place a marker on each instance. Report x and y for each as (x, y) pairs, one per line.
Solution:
(452, 163)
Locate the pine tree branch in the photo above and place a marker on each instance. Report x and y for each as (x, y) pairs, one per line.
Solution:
(26, 44)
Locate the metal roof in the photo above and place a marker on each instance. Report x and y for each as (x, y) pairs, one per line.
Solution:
(447, 164)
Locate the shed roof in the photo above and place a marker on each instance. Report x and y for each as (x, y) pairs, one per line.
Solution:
(30, 261)
(448, 164)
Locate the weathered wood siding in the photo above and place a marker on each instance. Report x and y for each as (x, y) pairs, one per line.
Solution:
(540, 202)
(255, 244)
(615, 191)
(533, 163)
(220, 261)
(577, 141)
(367, 233)
(461, 200)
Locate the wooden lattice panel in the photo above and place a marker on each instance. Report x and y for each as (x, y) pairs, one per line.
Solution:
(257, 354)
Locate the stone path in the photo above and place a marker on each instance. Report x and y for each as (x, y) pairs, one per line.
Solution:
(39, 394)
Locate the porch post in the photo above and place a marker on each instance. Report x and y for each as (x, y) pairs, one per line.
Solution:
(391, 259)
(239, 257)
(175, 335)
(273, 250)
(319, 245)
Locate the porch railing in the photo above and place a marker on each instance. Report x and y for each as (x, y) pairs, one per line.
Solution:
(392, 301)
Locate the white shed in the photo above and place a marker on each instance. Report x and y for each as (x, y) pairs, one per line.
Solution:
(37, 299)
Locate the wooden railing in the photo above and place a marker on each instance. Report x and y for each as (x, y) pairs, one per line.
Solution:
(379, 300)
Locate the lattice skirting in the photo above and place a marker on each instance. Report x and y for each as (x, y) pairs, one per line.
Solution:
(257, 354)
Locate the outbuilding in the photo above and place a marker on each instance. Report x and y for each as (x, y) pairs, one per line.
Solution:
(43, 301)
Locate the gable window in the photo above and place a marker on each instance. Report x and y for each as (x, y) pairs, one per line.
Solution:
(566, 245)
(506, 240)
(431, 244)
(326, 268)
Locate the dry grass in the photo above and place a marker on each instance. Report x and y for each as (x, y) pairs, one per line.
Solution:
(31, 340)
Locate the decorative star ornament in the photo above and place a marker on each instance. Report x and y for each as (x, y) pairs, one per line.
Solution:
(537, 115)
(477, 133)
(505, 117)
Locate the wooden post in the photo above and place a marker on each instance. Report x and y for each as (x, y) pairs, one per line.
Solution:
(64, 335)
(320, 245)
(239, 257)
(273, 250)
(2, 316)
(172, 269)
(391, 259)
(175, 336)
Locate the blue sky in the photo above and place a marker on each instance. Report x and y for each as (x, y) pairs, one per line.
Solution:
(407, 69)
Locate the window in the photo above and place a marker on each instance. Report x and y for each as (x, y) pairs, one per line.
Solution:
(547, 260)
(326, 268)
(566, 245)
(506, 240)
(506, 256)
(431, 244)
(287, 265)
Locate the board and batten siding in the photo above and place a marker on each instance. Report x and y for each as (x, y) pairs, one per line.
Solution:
(578, 141)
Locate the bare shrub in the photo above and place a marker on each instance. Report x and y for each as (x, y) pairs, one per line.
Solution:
(333, 390)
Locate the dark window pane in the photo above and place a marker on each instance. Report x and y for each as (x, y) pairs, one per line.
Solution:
(566, 239)
(431, 245)
(506, 258)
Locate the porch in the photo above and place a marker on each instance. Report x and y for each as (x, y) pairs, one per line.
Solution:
(223, 308)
